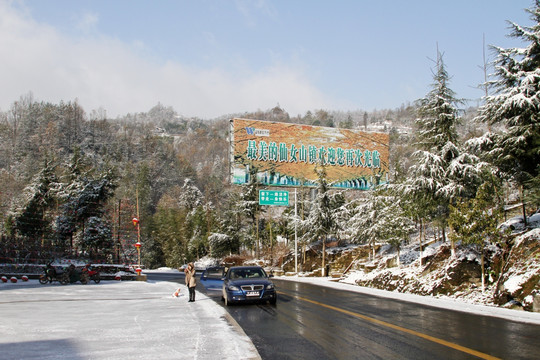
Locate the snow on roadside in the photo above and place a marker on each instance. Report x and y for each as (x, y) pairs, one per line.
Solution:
(441, 302)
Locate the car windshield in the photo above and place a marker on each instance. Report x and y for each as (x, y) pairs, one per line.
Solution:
(247, 273)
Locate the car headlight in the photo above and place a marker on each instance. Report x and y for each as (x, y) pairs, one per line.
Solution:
(270, 286)
(233, 288)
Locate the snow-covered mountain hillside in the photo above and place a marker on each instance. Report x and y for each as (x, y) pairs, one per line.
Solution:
(512, 269)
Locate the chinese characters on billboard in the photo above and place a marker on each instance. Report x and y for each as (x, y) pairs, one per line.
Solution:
(286, 154)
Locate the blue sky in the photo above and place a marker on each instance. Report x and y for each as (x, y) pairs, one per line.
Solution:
(208, 58)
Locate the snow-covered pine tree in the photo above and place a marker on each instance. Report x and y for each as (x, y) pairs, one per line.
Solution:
(89, 202)
(32, 220)
(379, 218)
(190, 196)
(98, 241)
(227, 235)
(514, 107)
(249, 205)
(361, 227)
(438, 116)
(194, 227)
(324, 214)
(443, 171)
(220, 244)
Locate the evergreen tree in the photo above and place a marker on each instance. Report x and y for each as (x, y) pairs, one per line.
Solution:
(532, 192)
(88, 203)
(195, 227)
(190, 197)
(249, 205)
(324, 215)
(97, 239)
(438, 116)
(167, 245)
(228, 236)
(475, 220)
(514, 108)
(31, 221)
(220, 244)
(377, 218)
(197, 230)
(443, 171)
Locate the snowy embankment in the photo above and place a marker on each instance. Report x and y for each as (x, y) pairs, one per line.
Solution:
(512, 272)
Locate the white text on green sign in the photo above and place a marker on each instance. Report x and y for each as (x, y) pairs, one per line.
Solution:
(274, 197)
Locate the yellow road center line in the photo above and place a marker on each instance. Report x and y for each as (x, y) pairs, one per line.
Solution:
(399, 328)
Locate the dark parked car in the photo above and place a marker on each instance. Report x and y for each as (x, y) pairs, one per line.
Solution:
(248, 283)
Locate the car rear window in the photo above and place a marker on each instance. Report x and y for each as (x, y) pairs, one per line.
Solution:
(214, 273)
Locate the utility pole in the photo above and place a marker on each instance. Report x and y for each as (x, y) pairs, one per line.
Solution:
(136, 222)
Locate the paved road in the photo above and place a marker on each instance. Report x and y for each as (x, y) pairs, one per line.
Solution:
(313, 322)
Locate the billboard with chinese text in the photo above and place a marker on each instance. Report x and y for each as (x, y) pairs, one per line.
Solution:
(286, 154)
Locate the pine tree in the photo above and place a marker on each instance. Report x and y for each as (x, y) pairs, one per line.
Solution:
(443, 171)
(226, 239)
(249, 205)
(379, 218)
(323, 219)
(97, 238)
(475, 220)
(195, 227)
(191, 197)
(438, 113)
(31, 220)
(514, 108)
(88, 203)
(168, 246)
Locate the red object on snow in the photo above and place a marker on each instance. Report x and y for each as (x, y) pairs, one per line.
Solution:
(13, 279)
(117, 277)
(4, 279)
(24, 278)
(138, 270)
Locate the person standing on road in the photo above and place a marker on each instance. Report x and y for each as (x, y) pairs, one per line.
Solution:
(191, 281)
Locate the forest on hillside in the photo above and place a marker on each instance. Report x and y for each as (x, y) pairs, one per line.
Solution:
(73, 181)
(67, 174)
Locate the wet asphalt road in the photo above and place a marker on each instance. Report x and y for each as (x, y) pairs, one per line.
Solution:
(313, 322)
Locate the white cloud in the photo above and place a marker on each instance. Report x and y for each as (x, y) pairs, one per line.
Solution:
(103, 72)
(87, 22)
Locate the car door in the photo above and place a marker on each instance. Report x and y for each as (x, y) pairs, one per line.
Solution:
(212, 278)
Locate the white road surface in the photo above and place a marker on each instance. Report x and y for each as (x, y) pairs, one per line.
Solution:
(115, 320)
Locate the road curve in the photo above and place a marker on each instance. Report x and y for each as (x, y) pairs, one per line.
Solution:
(314, 322)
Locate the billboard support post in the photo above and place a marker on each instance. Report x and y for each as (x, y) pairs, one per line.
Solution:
(295, 235)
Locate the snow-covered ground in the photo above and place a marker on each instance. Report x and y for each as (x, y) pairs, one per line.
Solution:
(115, 320)
(454, 278)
